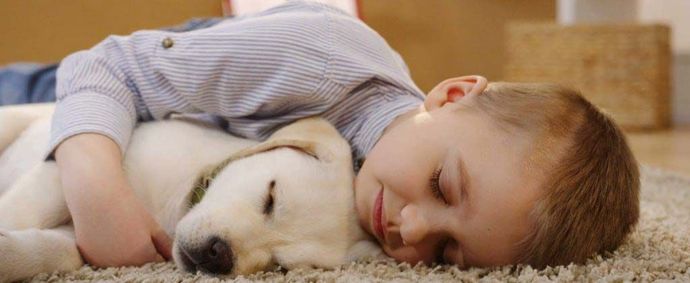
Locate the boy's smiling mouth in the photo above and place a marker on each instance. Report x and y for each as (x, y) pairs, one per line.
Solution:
(378, 216)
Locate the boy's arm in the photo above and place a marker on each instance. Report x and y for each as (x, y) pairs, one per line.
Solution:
(112, 226)
(93, 121)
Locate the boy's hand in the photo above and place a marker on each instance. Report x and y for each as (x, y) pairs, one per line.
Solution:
(121, 233)
(112, 226)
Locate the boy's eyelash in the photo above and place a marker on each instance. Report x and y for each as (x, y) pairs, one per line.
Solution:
(436, 187)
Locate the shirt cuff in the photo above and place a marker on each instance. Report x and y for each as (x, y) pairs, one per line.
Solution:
(91, 112)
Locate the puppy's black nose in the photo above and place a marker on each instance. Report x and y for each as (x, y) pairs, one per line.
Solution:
(215, 256)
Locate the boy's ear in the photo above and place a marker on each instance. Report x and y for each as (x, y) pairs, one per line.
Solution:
(454, 89)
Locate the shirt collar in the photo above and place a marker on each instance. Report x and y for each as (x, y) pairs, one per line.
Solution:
(375, 121)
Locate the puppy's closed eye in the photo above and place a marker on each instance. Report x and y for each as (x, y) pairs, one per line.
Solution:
(268, 204)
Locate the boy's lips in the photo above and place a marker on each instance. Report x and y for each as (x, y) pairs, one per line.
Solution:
(378, 216)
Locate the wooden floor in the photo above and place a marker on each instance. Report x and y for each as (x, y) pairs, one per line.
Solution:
(668, 149)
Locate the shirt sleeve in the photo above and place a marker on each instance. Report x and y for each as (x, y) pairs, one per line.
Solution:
(92, 97)
(257, 73)
(269, 67)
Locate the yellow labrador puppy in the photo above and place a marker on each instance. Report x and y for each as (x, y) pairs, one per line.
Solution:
(234, 206)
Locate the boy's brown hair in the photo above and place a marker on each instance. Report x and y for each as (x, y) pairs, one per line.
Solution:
(589, 201)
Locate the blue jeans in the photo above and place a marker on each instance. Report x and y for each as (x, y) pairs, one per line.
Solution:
(35, 83)
(27, 83)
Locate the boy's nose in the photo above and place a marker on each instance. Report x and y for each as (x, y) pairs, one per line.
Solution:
(414, 226)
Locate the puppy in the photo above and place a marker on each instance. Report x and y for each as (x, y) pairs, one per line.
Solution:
(234, 206)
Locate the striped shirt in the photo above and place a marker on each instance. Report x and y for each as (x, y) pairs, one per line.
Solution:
(256, 73)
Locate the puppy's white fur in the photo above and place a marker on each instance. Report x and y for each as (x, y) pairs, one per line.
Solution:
(313, 223)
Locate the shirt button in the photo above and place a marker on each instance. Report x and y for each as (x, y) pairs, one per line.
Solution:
(167, 43)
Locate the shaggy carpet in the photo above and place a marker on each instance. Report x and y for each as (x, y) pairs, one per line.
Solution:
(659, 250)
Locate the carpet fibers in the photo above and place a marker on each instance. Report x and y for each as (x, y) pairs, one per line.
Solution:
(658, 250)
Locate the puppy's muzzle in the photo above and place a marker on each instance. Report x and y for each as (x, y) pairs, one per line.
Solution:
(214, 256)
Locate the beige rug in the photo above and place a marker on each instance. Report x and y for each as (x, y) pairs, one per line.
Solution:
(658, 250)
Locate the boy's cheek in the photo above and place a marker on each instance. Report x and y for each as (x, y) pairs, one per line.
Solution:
(361, 209)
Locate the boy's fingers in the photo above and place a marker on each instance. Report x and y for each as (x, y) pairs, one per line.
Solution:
(163, 244)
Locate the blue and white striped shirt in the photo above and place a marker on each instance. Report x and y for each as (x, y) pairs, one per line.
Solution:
(257, 72)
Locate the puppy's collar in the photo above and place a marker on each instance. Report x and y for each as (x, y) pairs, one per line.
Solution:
(206, 177)
(198, 192)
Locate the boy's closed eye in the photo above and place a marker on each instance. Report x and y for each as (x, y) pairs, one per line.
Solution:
(446, 188)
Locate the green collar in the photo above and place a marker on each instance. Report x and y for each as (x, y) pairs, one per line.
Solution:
(197, 195)
(204, 180)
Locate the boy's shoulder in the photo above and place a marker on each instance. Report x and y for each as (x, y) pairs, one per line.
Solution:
(299, 6)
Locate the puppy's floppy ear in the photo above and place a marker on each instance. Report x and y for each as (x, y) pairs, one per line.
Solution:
(314, 136)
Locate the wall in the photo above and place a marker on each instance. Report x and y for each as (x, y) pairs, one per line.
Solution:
(47, 30)
(675, 13)
(596, 11)
(446, 38)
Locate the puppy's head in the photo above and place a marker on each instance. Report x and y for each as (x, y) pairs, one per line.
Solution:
(288, 201)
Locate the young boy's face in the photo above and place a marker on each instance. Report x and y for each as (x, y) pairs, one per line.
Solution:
(486, 187)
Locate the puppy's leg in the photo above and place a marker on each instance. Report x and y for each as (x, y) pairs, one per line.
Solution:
(29, 252)
(35, 200)
(14, 119)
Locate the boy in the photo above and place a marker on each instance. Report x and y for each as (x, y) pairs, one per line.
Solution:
(470, 174)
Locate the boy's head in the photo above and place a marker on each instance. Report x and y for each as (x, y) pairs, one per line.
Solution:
(527, 173)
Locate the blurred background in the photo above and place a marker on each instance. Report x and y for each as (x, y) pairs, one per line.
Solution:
(630, 57)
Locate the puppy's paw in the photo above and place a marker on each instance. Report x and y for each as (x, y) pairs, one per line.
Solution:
(5, 245)
(25, 253)
(9, 270)
(365, 249)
